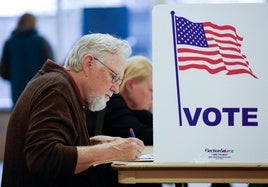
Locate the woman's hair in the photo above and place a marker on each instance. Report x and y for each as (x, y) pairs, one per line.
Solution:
(138, 69)
(98, 45)
(26, 21)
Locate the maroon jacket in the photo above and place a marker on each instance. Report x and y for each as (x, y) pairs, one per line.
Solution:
(46, 124)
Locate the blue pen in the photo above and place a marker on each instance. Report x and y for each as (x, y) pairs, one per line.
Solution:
(132, 133)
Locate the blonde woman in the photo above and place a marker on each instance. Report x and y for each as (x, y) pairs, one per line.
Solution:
(128, 109)
(131, 108)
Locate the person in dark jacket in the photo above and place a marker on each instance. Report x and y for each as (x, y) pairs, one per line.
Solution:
(131, 108)
(24, 54)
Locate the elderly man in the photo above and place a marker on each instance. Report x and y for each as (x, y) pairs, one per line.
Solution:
(47, 140)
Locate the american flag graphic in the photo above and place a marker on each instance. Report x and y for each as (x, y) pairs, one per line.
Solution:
(210, 47)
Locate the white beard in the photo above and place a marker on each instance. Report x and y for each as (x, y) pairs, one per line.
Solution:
(97, 103)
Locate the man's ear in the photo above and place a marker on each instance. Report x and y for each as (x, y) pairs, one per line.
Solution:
(87, 63)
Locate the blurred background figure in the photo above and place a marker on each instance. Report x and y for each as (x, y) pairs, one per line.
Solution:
(23, 54)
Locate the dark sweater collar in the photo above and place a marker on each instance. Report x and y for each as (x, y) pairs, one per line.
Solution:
(52, 66)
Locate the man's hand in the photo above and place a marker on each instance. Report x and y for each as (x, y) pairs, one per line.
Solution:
(108, 149)
(127, 148)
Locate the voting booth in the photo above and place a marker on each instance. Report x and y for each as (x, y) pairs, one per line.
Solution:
(210, 77)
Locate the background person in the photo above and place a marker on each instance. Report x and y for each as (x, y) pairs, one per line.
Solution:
(47, 143)
(23, 54)
(130, 108)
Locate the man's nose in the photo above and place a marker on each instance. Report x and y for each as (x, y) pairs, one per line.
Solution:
(115, 88)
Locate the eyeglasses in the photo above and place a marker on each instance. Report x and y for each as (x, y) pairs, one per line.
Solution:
(116, 78)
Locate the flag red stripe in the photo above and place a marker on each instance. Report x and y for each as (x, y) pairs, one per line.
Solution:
(195, 58)
(222, 27)
(227, 35)
(199, 66)
(210, 61)
(215, 52)
(225, 48)
(240, 71)
(212, 40)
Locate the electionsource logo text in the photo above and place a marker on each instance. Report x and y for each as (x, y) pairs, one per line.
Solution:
(219, 154)
(219, 150)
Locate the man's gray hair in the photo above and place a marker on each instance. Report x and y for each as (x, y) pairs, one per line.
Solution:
(95, 44)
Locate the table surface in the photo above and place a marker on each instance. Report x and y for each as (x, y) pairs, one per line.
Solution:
(154, 172)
